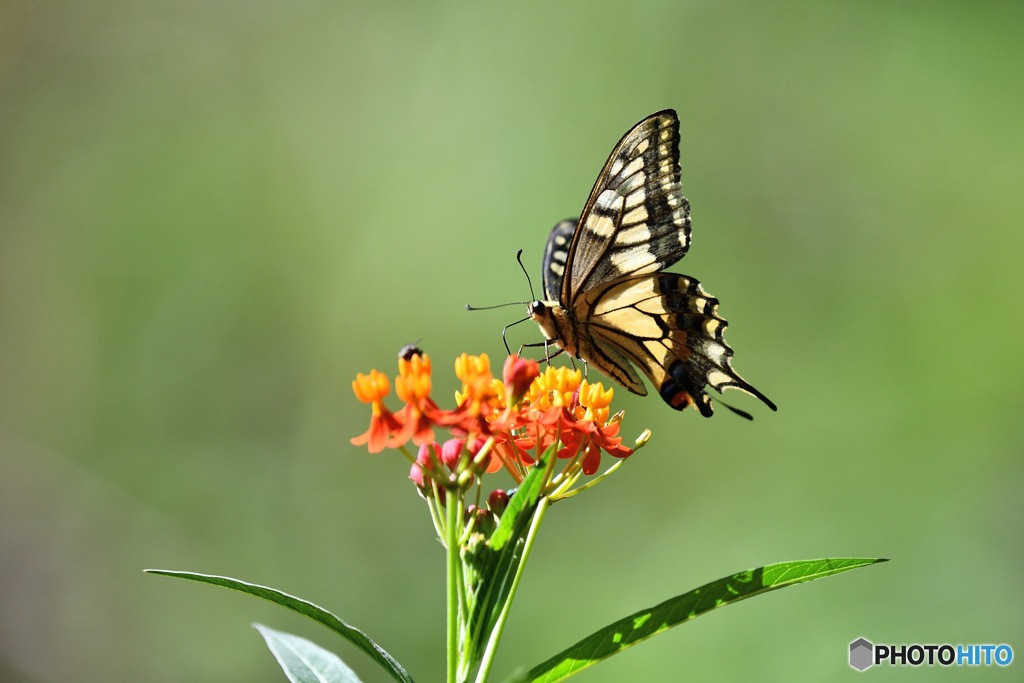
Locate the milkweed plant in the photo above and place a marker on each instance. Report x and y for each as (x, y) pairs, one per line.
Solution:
(550, 432)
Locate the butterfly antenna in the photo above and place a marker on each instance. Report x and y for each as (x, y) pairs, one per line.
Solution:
(505, 341)
(519, 257)
(487, 308)
(533, 297)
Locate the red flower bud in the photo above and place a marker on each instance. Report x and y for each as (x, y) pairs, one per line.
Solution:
(518, 374)
(451, 451)
(425, 459)
(497, 501)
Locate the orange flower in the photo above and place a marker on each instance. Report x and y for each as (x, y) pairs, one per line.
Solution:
(553, 388)
(592, 433)
(372, 389)
(481, 398)
(420, 412)
(595, 400)
(522, 417)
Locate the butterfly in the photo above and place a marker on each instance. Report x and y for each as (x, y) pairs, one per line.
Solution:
(608, 300)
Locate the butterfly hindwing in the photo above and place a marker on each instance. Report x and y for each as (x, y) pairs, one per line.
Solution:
(668, 326)
(636, 219)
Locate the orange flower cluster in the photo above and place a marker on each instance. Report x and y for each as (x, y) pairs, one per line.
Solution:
(521, 415)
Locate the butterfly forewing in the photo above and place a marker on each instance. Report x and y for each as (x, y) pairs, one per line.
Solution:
(555, 255)
(636, 219)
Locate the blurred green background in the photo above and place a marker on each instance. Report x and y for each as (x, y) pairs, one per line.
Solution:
(213, 215)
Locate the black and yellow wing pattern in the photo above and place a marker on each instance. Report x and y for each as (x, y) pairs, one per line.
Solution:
(607, 299)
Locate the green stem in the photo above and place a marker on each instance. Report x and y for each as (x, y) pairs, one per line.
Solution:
(408, 456)
(499, 626)
(561, 494)
(435, 514)
(453, 507)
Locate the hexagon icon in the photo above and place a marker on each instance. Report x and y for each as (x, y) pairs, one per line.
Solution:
(861, 651)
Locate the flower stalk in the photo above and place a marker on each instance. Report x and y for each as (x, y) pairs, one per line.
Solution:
(453, 571)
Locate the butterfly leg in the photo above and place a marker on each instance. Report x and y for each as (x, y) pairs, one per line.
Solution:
(547, 356)
(503, 331)
(535, 345)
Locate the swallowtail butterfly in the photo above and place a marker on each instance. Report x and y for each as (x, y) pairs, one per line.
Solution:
(609, 301)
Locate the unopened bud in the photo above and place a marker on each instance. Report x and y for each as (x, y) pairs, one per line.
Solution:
(518, 374)
(486, 522)
(497, 501)
(425, 460)
(451, 452)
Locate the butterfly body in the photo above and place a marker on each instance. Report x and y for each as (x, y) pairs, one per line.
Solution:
(608, 301)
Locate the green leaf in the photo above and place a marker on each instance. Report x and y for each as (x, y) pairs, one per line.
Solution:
(350, 633)
(490, 568)
(304, 661)
(520, 508)
(627, 632)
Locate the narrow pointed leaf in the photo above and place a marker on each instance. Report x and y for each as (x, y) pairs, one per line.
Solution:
(304, 661)
(640, 626)
(490, 568)
(520, 508)
(349, 633)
